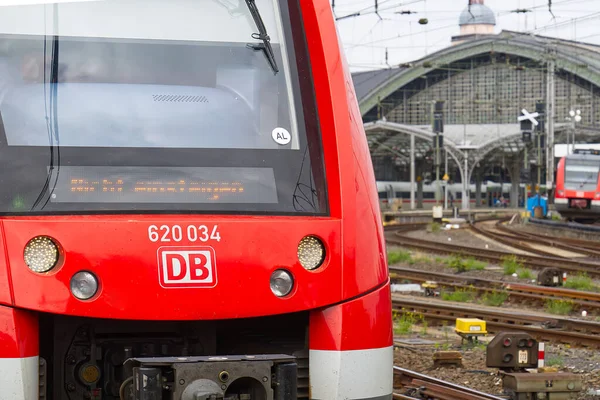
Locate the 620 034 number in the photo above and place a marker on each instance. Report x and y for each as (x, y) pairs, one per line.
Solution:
(175, 233)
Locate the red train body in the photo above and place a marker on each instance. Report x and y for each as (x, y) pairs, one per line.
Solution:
(577, 194)
(106, 183)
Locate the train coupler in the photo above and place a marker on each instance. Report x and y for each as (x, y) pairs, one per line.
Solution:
(253, 377)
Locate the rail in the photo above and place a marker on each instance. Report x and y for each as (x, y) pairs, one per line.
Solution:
(396, 237)
(542, 327)
(527, 242)
(538, 295)
(429, 387)
(553, 240)
(569, 225)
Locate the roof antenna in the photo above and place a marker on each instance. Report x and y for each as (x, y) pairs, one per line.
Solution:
(550, 9)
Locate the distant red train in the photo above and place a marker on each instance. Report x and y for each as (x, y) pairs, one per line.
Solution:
(577, 195)
(188, 207)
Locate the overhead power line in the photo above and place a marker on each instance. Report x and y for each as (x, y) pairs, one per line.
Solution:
(374, 9)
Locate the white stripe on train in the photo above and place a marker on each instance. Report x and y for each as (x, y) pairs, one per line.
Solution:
(19, 378)
(348, 375)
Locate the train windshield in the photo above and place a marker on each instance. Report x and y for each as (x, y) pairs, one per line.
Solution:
(157, 106)
(581, 174)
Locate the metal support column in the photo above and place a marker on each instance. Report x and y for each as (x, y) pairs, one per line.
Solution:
(465, 179)
(550, 98)
(412, 171)
(527, 168)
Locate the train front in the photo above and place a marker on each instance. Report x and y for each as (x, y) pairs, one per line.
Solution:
(578, 186)
(188, 207)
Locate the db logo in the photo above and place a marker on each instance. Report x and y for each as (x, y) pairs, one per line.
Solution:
(187, 267)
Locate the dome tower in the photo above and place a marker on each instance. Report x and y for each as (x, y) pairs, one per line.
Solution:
(475, 21)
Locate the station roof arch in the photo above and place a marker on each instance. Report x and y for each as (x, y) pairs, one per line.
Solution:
(577, 58)
(475, 141)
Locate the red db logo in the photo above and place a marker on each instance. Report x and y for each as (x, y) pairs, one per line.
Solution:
(187, 267)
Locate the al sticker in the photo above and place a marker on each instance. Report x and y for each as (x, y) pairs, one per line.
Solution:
(281, 136)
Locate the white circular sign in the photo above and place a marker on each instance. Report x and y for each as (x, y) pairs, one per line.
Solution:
(281, 136)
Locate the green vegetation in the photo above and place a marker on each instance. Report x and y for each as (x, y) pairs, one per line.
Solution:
(439, 260)
(556, 217)
(511, 264)
(404, 322)
(458, 263)
(525, 273)
(481, 346)
(473, 264)
(495, 299)
(395, 257)
(559, 307)
(461, 296)
(555, 361)
(434, 227)
(424, 326)
(420, 259)
(581, 282)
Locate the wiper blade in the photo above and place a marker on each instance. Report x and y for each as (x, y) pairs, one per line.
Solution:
(262, 34)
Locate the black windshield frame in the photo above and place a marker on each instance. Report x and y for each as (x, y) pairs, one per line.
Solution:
(299, 174)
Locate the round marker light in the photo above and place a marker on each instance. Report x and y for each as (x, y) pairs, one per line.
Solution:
(282, 283)
(84, 285)
(507, 342)
(89, 373)
(507, 358)
(41, 254)
(311, 252)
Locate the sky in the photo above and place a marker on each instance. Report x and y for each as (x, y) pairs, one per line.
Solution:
(366, 37)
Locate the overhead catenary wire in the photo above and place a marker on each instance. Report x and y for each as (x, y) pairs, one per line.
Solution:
(374, 9)
(379, 44)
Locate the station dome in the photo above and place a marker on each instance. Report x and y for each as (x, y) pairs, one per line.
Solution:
(479, 14)
(475, 21)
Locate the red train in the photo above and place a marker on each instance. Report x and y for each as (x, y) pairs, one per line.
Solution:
(577, 194)
(188, 206)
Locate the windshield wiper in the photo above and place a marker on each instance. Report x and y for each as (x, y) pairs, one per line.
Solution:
(262, 34)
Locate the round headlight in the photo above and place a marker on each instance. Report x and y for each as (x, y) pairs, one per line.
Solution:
(282, 283)
(84, 285)
(311, 252)
(41, 254)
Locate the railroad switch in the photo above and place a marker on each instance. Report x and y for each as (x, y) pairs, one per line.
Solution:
(470, 329)
(544, 386)
(515, 352)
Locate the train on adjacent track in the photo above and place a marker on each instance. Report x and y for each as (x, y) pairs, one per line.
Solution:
(577, 195)
(188, 206)
(493, 194)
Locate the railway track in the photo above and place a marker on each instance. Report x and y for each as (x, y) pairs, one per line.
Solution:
(522, 293)
(419, 386)
(542, 327)
(537, 244)
(566, 225)
(396, 235)
(553, 240)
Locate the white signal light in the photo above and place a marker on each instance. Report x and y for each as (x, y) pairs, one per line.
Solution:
(282, 283)
(311, 252)
(84, 285)
(41, 254)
